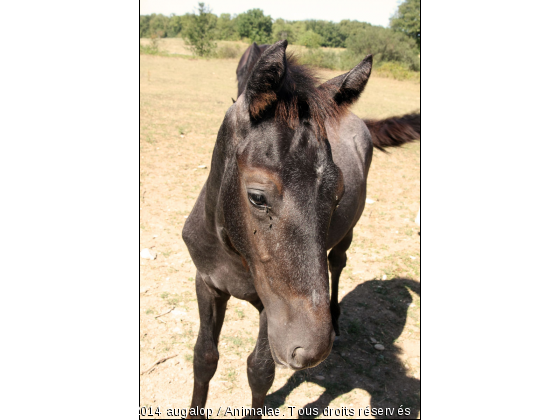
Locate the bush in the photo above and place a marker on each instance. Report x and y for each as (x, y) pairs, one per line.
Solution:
(320, 58)
(229, 51)
(153, 47)
(310, 39)
(397, 71)
(147, 49)
(329, 59)
(154, 41)
(346, 60)
(199, 31)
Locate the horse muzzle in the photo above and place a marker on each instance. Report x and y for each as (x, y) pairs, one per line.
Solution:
(307, 352)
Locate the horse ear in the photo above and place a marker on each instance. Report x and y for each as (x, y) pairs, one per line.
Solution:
(347, 88)
(266, 78)
(248, 59)
(254, 54)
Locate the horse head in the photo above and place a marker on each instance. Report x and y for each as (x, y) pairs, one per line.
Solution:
(278, 189)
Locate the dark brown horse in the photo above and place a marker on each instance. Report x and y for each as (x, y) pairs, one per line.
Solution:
(287, 183)
(389, 132)
(246, 64)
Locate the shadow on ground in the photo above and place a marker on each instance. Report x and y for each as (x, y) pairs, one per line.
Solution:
(374, 309)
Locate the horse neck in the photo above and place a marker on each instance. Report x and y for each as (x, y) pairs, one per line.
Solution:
(214, 181)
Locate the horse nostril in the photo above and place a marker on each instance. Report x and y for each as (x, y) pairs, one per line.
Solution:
(298, 358)
(295, 352)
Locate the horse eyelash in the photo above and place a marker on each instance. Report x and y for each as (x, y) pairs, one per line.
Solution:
(259, 206)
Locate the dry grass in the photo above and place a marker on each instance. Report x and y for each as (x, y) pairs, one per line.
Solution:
(177, 46)
(234, 50)
(182, 105)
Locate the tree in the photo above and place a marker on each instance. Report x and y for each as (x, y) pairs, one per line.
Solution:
(384, 44)
(174, 27)
(298, 28)
(407, 19)
(158, 26)
(349, 28)
(332, 37)
(199, 31)
(226, 27)
(145, 26)
(253, 24)
(282, 29)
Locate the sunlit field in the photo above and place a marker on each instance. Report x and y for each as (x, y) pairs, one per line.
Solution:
(182, 105)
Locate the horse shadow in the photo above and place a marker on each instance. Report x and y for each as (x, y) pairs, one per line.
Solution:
(376, 309)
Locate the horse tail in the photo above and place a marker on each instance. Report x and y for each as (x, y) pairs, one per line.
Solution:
(394, 131)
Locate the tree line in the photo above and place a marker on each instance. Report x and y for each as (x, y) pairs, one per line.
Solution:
(399, 43)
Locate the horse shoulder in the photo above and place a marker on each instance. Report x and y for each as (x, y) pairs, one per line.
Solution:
(352, 149)
(198, 238)
(218, 266)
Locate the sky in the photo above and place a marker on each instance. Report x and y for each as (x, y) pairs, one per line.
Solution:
(376, 12)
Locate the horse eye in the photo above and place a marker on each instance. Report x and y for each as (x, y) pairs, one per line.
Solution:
(257, 200)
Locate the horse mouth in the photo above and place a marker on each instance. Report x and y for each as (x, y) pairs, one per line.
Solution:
(284, 365)
(277, 361)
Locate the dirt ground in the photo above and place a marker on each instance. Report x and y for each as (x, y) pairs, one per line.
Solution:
(182, 104)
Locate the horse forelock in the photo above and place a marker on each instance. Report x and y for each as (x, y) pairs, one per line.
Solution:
(300, 98)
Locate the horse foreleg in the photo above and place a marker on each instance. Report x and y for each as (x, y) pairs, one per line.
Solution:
(211, 308)
(337, 262)
(260, 365)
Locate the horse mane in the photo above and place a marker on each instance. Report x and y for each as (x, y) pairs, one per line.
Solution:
(301, 98)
